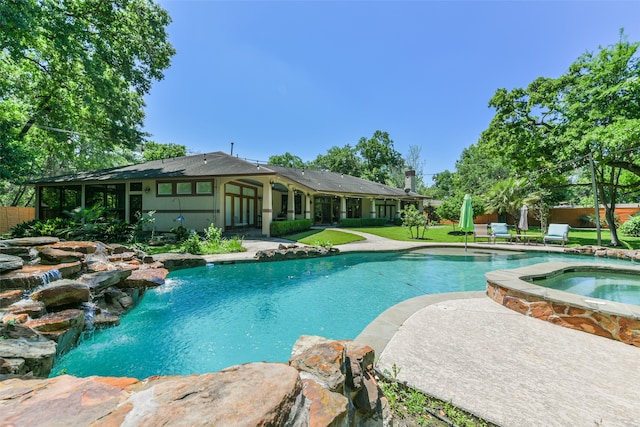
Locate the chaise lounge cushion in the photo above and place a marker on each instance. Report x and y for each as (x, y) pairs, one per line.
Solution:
(499, 230)
(557, 233)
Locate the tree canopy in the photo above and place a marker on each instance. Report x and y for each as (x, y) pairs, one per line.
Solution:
(340, 160)
(72, 80)
(556, 125)
(372, 158)
(287, 160)
(380, 158)
(155, 151)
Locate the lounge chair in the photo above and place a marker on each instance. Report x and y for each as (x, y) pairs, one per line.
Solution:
(499, 230)
(557, 233)
(481, 231)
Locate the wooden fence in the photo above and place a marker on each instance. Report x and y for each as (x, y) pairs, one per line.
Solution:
(575, 217)
(10, 216)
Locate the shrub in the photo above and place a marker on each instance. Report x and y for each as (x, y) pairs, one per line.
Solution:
(143, 229)
(192, 245)
(280, 228)
(363, 222)
(235, 245)
(24, 229)
(181, 233)
(322, 244)
(213, 233)
(81, 224)
(631, 227)
(58, 227)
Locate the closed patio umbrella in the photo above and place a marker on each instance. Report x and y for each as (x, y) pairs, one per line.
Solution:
(466, 217)
(523, 224)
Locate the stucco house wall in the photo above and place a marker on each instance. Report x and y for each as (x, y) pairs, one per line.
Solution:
(215, 188)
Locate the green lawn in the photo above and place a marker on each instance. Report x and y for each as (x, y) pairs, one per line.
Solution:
(324, 237)
(446, 234)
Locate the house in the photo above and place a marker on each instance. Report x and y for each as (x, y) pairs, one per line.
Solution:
(227, 191)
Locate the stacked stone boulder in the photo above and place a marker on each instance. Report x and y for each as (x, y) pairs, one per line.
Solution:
(293, 251)
(59, 289)
(339, 382)
(326, 383)
(604, 252)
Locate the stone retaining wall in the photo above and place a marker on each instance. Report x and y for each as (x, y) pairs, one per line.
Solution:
(607, 319)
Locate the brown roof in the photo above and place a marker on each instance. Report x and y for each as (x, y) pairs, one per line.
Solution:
(221, 164)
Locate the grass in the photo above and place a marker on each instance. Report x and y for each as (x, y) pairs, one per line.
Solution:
(446, 234)
(407, 404)
(324, 237)
(441, 233)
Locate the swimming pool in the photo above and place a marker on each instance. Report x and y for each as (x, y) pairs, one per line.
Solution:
(611, 286)
(208, 318)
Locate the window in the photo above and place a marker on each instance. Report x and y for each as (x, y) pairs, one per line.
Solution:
(108, 196)
(297, 203)
(183, 188)
(354, 208)
(55, 200)
(135, 186)
(233, 189)
(204, 187)
(165, 189)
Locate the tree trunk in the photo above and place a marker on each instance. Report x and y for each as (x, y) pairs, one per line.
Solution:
(19, 193)
(609, 213)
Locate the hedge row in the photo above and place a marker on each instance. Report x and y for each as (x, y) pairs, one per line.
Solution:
(279, 228)
(363, 222)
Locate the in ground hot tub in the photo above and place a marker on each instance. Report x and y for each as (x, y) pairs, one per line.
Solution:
(521, 290)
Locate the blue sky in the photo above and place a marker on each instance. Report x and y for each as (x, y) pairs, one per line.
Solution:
(303, 76)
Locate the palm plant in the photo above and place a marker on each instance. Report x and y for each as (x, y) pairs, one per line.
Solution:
(508, 196)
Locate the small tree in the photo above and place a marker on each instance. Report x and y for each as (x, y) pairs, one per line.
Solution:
(412, 217)
(508, 197)
(450, 208)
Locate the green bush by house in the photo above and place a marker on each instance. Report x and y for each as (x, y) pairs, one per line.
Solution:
(280, 228)
(363, 222)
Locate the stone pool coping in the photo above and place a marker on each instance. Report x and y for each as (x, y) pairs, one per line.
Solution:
(514, 290)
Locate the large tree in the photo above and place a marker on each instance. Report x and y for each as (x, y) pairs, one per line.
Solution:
(443, 186)
(73, 75)
(477, 170)
(287, 160)
(380, 158)
(340, 160)
(592, 112)
(156, 151)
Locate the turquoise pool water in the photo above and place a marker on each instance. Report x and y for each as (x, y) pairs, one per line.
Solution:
(205, 319)
(609, 286)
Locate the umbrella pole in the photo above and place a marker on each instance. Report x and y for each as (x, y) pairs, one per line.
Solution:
(465, 241)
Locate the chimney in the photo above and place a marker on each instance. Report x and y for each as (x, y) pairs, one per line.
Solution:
(410, 181)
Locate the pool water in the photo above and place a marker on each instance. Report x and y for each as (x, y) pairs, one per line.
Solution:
(208, 318)
(609, 286)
